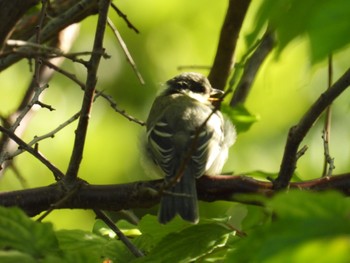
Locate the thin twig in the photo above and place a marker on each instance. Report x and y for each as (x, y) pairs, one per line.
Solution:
(329, 161)
(327, 124)
(23, 113)
(125, 50)
(30, 50)
(301, 152)
(122, 15)
(98, 93)
(113, 104)
(50, 134)
(80, 135)
(57, 173)
(65, 73)
(133, 249)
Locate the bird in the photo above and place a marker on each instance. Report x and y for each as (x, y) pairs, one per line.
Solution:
(186, 138)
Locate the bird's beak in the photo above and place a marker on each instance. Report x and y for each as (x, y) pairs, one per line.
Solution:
(215, 95)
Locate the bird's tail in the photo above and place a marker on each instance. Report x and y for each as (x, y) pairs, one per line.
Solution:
(180, 199)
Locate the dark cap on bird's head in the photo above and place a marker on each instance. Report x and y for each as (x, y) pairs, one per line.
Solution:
(191, 81)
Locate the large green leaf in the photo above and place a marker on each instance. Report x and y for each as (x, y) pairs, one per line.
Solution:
(20, 233)
(189, 244)
(303, 224)
(326, 23)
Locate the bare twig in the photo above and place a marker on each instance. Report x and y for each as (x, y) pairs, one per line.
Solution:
(65, 73)
(327, 170)
(329, 161)
(301, 152)
(133, 249)
(73, 14)
(97, 93)
(297, 133)
(80, 135)
(122, 15)
(30, 50)
(37, 93)
(50, 134)
(125, 50)
(113, 104)
(57, 173)
(230, 30)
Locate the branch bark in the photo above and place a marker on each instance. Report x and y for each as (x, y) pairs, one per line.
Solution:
(70, 15)
(89, 92)
(230, 30)
(297, 133)
(144, 194)
(10, 13)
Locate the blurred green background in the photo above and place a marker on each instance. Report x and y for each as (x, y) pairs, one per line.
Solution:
(173, 34)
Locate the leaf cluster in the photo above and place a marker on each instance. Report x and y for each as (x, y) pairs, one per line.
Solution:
(293, 226)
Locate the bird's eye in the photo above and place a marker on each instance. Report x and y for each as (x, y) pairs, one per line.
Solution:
(197, 87)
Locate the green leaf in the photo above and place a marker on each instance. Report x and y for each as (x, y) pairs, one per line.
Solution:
(303, 223)
(329, 28)
(16, 256)
(80, 245)
(128, 229)
(150, 226)
(18, 232)
(326, 23)
(189, 244)
(240, 117)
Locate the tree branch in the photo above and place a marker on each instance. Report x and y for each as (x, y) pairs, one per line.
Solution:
(10, 13)
(57, 173)
(251, 69)
(65, 18)
(145, 194)
(297, 133)
(230, 30)
(80, 135)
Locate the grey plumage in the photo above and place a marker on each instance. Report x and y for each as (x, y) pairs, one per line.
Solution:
(183, 152)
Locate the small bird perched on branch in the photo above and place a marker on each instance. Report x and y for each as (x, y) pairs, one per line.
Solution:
(186, 137)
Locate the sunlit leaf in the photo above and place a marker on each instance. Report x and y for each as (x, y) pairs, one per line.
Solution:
(189, 244)
(325, 23)
(240, 117)
(18, 232)
(300, 219)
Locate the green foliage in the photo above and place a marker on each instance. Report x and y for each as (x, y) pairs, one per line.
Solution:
(240, 116)
(24, 240)
(294, 226)
(326, 23)
(302, 226)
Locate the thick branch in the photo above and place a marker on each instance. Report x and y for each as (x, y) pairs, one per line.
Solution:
(10, 13)
(65, 18)
(297, 133)
(145, 194)
(223, 61)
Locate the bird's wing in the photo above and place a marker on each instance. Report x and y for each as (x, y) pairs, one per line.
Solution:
(161, 145)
